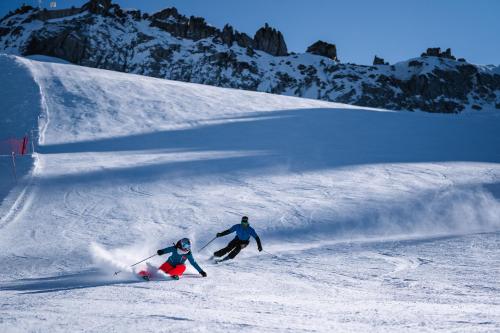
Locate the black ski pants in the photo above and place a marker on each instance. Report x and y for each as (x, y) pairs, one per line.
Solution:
(234, 247)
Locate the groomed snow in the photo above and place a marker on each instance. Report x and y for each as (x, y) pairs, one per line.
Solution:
(372, 220)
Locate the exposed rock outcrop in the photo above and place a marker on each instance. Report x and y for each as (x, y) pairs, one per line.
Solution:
(379, 61)
(98, 6)
(176, 47)
(227, 35)
(194, 28)
(270, 40)
(323, 49)
(436, 52)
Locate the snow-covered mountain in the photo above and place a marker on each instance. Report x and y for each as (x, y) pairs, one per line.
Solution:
(372, 220)
(172, 46)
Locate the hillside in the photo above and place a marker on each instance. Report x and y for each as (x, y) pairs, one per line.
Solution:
(170, 45)
(371, 220)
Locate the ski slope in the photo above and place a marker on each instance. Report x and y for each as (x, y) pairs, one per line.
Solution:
(372, 220)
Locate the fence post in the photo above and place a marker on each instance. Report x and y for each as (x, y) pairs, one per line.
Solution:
(14, 165)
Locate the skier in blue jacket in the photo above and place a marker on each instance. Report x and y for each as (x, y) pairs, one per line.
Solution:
(242, 239)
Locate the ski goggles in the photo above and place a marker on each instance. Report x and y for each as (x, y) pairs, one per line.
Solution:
(185, 245)
(245, 223)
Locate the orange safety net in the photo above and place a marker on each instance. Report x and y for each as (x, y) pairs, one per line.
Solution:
(16, 146)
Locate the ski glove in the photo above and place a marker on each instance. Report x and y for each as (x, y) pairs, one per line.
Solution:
(260, 248)
(160, 252)
(203, 274)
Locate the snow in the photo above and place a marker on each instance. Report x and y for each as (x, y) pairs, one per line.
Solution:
(371, 220)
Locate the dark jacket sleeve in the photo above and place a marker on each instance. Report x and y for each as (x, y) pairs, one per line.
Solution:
(259, 244)
(257, 239)
(224, 233)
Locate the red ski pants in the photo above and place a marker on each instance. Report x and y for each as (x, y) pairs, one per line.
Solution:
(173, 270)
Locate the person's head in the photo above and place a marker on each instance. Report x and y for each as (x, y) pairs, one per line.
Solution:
(184, 245)
(244, 221)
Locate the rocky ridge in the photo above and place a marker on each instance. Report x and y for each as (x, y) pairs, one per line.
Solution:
(170, 45)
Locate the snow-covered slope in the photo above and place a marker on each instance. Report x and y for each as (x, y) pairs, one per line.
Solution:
(172, 46)
(372, 220)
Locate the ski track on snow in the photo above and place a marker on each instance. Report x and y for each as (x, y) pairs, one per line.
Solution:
(401, 245)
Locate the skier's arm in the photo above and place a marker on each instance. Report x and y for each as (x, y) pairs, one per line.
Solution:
(195, 265)
(257, 239)
(226, 232)
(259, 244)
(169, 249)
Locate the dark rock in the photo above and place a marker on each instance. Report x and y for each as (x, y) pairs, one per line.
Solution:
(250, 52)
(17, 31)
(243, 40)
(379, 61)
(224, 59)
(135, 14)
(4, 31)
(436, 52)
(98, 6)
(476, 107)
(415, 63)
(166, 14)
(461, 60)
(67, 45)
(177, 25)
(227, 35)
(270, 40)
(323, 49)
(197, 29)
(159, 53)
(432, 52)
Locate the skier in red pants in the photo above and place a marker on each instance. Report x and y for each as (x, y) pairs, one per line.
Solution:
(174, 266)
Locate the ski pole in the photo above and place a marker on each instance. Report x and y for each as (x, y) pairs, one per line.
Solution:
(137, 263)
(207, 244)
(273, 255)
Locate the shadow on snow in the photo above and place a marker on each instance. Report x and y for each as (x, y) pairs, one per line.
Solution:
(300, 141)
(81, 280)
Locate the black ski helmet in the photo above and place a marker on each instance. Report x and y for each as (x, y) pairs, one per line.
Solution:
(244, 219)
(184, 244)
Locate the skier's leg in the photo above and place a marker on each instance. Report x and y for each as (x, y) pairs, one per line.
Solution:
(232, 244)
(166, 267)
(177, 270)
(241, 245)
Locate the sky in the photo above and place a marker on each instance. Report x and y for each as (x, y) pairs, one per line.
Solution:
(393, 29)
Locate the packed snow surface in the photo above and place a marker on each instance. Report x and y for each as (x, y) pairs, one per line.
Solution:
(371, 221)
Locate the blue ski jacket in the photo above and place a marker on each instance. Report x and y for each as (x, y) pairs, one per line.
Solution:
(177, 259)
(243, 233)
